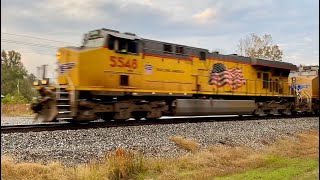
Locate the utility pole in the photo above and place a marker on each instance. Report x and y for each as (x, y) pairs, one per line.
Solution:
(18, 88)
(38, 72)
(44, 71)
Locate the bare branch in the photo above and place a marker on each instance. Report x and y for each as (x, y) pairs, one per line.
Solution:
(256, 47)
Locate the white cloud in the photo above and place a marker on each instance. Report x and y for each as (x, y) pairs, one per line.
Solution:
(205, 16)
(74, 9)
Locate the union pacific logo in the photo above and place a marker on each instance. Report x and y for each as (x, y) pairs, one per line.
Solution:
(63, 68)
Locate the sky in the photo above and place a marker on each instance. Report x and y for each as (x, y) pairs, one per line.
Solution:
(37, 28)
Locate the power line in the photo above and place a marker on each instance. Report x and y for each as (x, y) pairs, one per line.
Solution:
(40, 38)
(32, 44)
(38, 53)
(27, 43)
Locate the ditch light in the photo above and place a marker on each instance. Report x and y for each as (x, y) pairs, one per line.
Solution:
(41, 82)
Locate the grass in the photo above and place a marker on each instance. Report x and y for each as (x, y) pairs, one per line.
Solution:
(289, 158)
(22, 171)
(187, 144)
(15, 110)
(282, 168)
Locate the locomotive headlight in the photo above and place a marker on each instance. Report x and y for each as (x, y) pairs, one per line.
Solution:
(58, 55)
(35, 83)
(44, 82)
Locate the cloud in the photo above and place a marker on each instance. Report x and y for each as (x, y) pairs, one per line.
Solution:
(205, 16)
(83, 10)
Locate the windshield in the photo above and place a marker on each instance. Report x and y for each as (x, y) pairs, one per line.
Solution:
(97, 42)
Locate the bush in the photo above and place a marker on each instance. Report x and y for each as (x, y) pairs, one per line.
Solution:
(14, 99)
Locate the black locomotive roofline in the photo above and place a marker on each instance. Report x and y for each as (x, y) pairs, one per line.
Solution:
(153, 47)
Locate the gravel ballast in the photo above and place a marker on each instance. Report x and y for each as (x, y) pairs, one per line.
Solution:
(72, 147)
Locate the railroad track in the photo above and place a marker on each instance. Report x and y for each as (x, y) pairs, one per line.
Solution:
(102, 124)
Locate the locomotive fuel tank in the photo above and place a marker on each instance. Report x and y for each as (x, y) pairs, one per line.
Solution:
(185, 107)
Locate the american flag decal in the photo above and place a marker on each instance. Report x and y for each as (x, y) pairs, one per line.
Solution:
(65, 67)
(221, 76)
(148, 69)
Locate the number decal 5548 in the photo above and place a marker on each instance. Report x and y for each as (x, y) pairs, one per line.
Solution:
(120, 62)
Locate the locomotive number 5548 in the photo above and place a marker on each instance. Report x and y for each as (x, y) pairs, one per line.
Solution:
(121, 62)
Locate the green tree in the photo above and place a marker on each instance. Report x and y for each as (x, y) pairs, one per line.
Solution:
(31, 78)
(14, 76)
(260, 47)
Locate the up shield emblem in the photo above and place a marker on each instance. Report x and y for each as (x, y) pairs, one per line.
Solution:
(63, 68)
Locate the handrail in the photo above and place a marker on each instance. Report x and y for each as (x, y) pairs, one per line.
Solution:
(308, 96)
(71, 94)
(299, 96)
(297, 93)
(309, 100)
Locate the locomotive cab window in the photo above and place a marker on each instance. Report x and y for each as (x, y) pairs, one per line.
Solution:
(122, 45)
(111, 41)
(132, 47)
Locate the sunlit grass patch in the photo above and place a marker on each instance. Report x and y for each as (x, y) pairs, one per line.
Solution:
(184, 143)
(304, 144)
(16, 110)
(35, 171)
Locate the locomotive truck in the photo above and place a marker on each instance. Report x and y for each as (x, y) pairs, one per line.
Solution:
(117, 76)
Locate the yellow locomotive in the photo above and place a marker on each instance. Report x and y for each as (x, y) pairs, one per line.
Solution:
(306, 82)
(119, 76)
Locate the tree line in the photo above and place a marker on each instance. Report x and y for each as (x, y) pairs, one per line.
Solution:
(16, 82)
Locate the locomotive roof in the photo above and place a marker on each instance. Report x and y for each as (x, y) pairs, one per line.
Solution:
(194, 51)
(156, 47)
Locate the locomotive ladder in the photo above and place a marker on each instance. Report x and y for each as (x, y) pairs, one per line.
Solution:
(300, 99)
(63, 103)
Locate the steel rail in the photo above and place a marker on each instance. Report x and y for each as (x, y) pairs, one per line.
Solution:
(106, 124)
